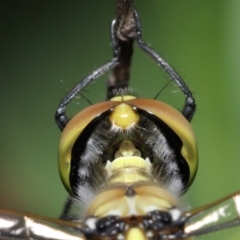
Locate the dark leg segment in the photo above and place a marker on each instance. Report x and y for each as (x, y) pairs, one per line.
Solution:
(60, 114)
(189, 106)
(66, 209)
(123, 34)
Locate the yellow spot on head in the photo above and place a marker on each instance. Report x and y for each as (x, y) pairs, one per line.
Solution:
(122, 98)
(124, 116)
(135, 233)
(128, 170)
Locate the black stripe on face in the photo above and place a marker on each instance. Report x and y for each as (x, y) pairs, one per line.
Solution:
(174, 143)
(79, 149)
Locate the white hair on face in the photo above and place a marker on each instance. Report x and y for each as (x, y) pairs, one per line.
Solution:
(175, 186)
(86, 193)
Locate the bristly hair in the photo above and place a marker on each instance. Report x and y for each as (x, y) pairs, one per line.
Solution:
(128, 91)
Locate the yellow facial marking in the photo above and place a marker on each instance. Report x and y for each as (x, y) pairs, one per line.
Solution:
(128, 170)
(135, 233)
(124, 116)
(122, 98)
(127, 149)
(128, 162)
(105, 203)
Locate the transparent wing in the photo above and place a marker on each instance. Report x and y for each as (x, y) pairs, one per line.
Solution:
(218, 220)
(15, 225)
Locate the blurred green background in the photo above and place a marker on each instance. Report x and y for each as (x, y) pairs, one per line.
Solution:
(48, 46)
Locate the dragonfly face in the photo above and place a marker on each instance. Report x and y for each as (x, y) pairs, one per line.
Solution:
(169, 147)
(130, 158)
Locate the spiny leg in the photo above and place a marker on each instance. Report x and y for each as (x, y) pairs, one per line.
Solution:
(60, 114)
(189, 106)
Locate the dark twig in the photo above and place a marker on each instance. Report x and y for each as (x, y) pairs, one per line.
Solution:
(123, 36)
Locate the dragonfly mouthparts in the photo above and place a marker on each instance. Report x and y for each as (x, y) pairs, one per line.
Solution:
(128, 165)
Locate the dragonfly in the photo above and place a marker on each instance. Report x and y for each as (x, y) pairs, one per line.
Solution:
(126, 161)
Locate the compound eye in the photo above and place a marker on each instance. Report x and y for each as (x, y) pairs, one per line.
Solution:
(71, 132)
(178, 123)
